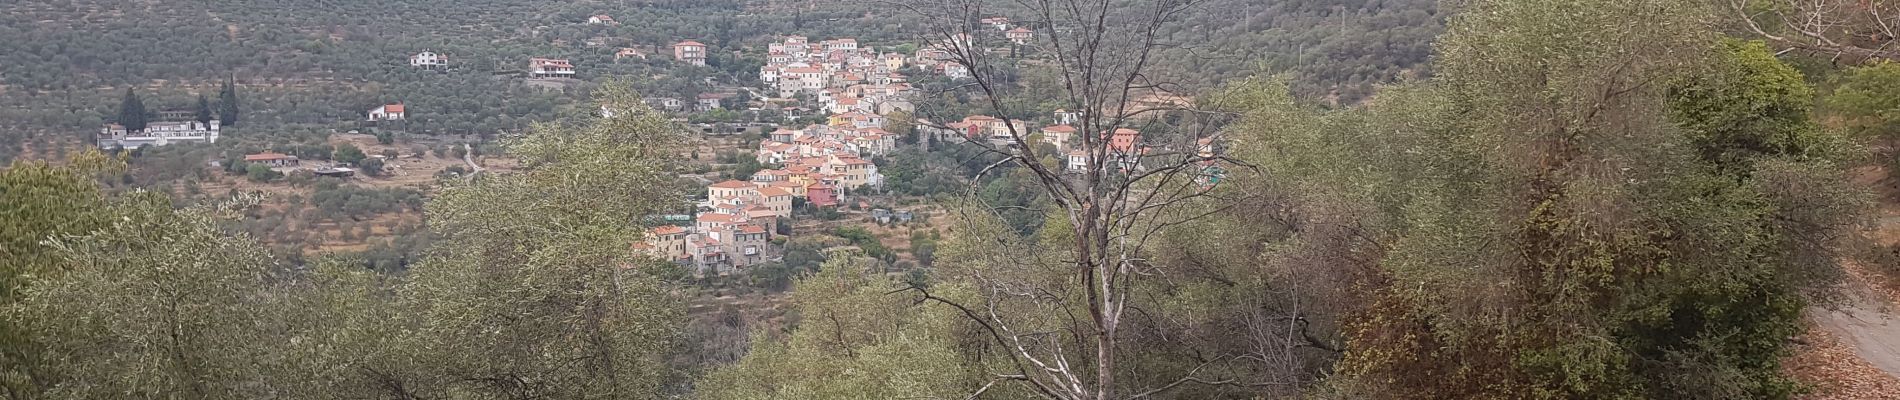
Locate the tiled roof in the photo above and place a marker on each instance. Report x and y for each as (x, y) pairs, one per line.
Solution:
(773, 192)
(732, 185)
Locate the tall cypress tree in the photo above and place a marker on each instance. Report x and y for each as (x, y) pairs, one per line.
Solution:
(204, 109)
(228, 103)
(132, 112)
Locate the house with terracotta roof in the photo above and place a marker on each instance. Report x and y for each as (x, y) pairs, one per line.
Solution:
(766, 176)
(857, 120)
(821, 195)
(388, 112)
(1058, 135)
(1020, 36)
(776, 200)
(601, 19)
(729, 189)
(690, 52)
(1123, 140)
(750, 245)
(853, 172)
(708, 253)
(550, 68)
(710, 222)
(666, 242)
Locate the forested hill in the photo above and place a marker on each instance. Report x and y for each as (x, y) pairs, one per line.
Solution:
(1336, 49)
(54, 44)
(310, 64)
(62, 44)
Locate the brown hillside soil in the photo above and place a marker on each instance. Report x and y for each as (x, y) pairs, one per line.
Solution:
(1854, 352)
(1835, 372)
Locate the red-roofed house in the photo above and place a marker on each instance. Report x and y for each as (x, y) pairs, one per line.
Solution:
(1124, 140)
(690, 52)
(1058, 135)
(711, 222)
(750, 245)
(794, 185)
(821, 195)
(1020, 36)
(667, 242)
(602, 19)
(776, 200)
(387, 112)
(729, 189)
(549, 68)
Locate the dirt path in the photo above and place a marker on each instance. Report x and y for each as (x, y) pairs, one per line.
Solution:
(1868, 325)
(468, 156)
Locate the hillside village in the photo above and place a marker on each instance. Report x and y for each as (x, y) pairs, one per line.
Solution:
(849, 92)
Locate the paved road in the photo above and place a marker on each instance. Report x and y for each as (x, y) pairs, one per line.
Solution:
(1867, 324)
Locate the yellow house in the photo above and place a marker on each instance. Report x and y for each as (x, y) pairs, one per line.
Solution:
(853, 172)
(779, 201)
(795, 186)
(728, 189)
(666, 242)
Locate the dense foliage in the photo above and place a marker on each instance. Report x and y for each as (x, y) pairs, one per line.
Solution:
(1581, 199)
(527, 289)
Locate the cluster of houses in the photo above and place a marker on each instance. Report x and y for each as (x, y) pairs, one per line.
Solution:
(1123, 144)
(824, 69)
(940, 58)
(738, 218)
(734, 229)
(1016, 34)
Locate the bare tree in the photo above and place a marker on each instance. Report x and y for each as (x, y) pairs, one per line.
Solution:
(1853, 30)
(1147, 155)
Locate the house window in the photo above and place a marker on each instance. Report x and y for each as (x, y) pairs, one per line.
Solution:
(751, 250)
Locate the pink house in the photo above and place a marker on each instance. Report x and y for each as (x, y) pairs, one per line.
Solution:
(821, 195)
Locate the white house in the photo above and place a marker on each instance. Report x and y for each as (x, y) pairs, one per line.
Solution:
(1000, 23)
(602, 19)
(549, 68)
(428, 59)
(159, 134)
(1020, 36)
(955, 71)
(1078, 161)
(387, 112)
(769, 74)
